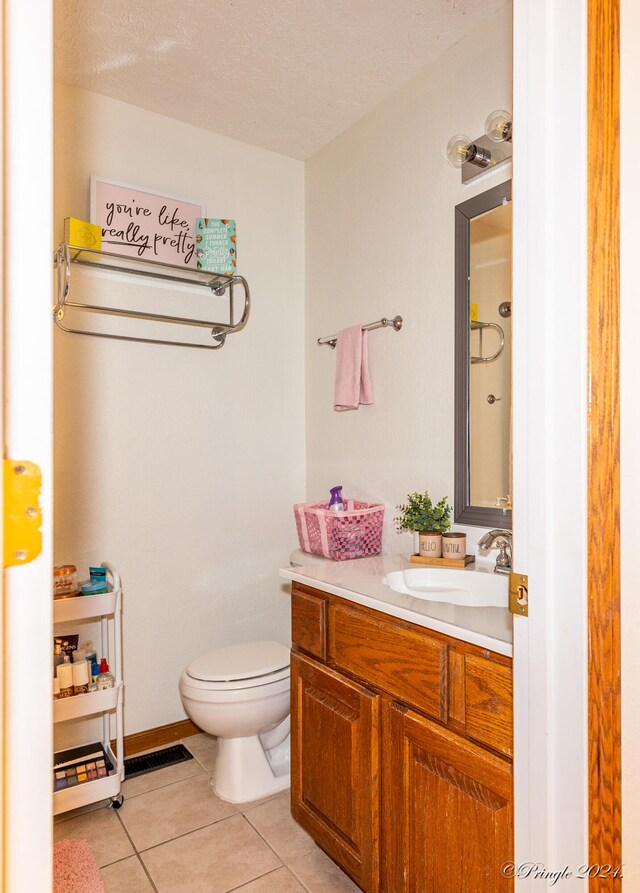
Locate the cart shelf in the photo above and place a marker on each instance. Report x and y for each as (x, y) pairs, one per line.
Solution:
(91, 791)
(83, 607)
(87, 705)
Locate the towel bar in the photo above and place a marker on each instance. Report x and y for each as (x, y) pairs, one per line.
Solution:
(396, 322)
(480, 327)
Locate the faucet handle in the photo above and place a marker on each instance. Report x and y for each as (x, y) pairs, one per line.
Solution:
(503, 561)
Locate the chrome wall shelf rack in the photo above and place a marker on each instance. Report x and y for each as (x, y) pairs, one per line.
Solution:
(68, 255)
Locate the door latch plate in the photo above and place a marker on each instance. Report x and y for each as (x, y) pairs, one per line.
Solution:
(22, 514)
(519, 594)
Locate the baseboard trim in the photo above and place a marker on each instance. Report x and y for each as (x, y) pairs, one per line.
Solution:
(158, 737)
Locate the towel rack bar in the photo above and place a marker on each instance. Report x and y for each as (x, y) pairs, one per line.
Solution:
(140, 314)
(480, 327)
(216, 284)
(396, 322)
(138, 266)
(219, 338)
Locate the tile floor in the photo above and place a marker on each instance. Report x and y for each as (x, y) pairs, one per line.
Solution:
(173, 835)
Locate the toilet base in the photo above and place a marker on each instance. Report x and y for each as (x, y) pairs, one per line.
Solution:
(244, 771)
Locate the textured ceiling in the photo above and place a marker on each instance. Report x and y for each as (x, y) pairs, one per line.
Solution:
(287, 75)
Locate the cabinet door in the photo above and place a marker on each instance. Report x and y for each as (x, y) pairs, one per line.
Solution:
(335, 733)
(447, 810)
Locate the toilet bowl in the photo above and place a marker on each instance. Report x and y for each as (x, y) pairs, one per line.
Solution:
(240, 694)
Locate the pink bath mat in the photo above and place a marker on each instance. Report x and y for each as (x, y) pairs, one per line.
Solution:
(75, 869)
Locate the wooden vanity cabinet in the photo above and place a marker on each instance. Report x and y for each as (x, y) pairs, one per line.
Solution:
(335, 740)
(401, 744)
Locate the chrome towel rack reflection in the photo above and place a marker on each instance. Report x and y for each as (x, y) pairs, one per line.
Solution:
(396, 322)
(66, 255)
(481, 326)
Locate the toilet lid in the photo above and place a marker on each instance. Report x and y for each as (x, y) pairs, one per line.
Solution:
(246, 661)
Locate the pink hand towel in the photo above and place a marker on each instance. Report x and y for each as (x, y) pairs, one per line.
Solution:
(353, 382)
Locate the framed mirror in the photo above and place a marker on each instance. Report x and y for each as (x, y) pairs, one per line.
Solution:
(483, 467)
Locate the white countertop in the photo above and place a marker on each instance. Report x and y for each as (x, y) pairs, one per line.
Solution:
(360, 581)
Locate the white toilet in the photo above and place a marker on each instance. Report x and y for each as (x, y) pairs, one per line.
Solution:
(240, 694)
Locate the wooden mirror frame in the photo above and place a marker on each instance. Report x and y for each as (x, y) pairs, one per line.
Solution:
(464, 512)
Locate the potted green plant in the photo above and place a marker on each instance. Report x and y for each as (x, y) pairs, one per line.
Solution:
(429, 520)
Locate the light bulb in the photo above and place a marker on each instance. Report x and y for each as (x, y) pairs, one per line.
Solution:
(499, 126)
(458, 150)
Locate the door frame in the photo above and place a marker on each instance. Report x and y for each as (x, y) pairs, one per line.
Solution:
(605, 771)
(27, 115)
(549, 328)
(566, 435)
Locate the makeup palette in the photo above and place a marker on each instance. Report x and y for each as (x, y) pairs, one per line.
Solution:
(90, 771)
(80, 765)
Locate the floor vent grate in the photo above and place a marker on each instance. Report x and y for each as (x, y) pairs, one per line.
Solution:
(159, 759)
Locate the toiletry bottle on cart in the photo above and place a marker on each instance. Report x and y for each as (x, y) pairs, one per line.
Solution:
(105, 678)
(58, 657)
(80, 677)
(336, 503)
(64, 672)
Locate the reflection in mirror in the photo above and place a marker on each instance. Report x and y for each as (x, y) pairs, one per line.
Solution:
(483, 359)
(490, 360)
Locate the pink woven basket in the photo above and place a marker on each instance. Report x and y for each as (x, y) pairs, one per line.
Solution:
(354, 533)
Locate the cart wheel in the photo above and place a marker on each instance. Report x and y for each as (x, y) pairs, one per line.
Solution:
(116, 802)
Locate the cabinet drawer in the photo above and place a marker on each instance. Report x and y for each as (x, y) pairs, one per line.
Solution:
(489, 703)
(308, 622)
(407, 663)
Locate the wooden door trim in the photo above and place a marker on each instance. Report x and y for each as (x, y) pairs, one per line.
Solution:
(603, 438)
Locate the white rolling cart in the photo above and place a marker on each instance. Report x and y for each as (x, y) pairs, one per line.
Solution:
(107, 607)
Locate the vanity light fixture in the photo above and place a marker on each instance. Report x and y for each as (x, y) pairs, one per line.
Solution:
(461, 150)
(499, 126)
(475, 156)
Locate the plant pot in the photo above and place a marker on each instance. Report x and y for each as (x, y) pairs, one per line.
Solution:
(454, 545)
(430, 543)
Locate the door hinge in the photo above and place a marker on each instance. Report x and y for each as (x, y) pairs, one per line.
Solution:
(22, 514)
(519, 594)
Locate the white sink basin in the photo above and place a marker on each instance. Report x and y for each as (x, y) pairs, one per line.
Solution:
(472, 588)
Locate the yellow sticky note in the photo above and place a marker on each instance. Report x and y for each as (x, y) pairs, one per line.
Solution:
(473, 308)
(82, 234)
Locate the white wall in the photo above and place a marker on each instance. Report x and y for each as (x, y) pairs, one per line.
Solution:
(180, 466)
(630, 440)
(380, 241)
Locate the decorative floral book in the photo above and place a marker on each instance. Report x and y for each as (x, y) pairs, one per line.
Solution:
(216, 249)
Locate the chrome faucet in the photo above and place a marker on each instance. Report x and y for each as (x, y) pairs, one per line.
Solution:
(503, 541)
